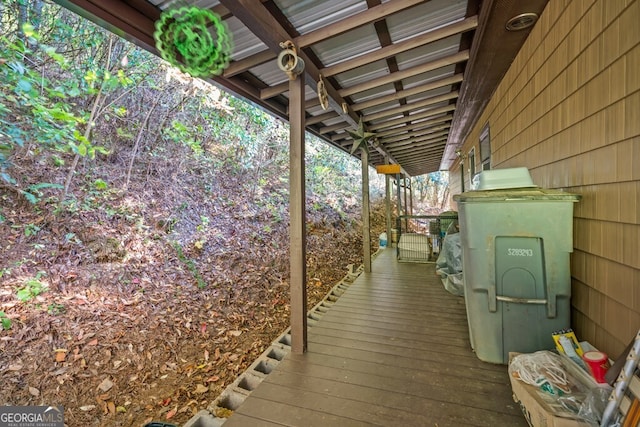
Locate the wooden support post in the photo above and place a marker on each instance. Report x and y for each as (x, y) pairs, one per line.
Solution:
(399, 198)
(366, 231)
(387, 187)
(404, 191)
(297, 222)
(406, 206)
(410, 197)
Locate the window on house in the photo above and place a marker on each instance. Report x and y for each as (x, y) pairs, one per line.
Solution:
(485, 148)
(472, 163)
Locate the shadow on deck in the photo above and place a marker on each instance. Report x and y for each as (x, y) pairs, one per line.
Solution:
(393, 350)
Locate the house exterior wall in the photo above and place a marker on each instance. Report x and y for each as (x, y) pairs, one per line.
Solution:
(569, 110)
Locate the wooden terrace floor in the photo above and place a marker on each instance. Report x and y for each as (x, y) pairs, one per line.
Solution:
(394, 350)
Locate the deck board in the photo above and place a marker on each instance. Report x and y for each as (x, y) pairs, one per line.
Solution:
(393, 350)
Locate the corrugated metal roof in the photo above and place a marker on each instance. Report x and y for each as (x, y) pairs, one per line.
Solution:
(425, 17)
(309, 15)
(358, 42)
(245, 43)
(401, 64)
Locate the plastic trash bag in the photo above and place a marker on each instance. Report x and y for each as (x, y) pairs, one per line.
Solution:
(449, 264)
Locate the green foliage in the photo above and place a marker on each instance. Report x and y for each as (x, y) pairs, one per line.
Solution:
(204, 223)
(34, 107)
(5, 321)
(100, 185)
(181, 134)
(31, 230)
(33, 193)
(69, 90)
(32, 288)
(56, 309)
(191, 265)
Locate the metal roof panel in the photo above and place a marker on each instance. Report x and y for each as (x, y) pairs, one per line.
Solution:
(425, 17)
(309, 15)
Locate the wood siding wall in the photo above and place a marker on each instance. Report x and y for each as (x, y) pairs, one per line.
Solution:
(569, 110)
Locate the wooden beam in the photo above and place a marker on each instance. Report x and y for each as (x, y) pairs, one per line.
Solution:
(417, 134)
(339, 126)
(267, 28)
(418, 125)
(321, 118)
(371, 15)
(366, 225)
(424, 166)
(412, 152)
(339, 136)
(420, 131)
(431, 161)
(271, 91)
(248, 63)
(410, 72)
(417, 144)
(297, 221)
(412, 106)
(412, 117)
(409, 155)
(374, 14)
(120, 18)
(387, 191)
(457, 78)
(394, 49)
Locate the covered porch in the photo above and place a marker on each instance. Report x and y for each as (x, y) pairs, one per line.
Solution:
(392, 350)
(442, 87)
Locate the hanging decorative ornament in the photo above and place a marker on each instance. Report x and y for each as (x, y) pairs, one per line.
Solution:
(360, 137)
(322, 93)
(195, 40)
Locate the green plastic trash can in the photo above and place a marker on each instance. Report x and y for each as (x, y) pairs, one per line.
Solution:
(516, 245)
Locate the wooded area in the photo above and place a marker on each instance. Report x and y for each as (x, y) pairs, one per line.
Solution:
(144, 224)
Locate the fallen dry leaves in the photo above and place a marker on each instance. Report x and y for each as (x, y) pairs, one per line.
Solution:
(136, 340)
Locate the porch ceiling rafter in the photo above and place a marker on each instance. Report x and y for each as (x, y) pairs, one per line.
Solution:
(413, 117)
(389, 61)
(438, 121)
(370, 15)
(411, 107)
(413, 136)
(447, 81)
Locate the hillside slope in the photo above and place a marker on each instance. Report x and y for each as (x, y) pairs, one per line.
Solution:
(144, 227)
(134, 309)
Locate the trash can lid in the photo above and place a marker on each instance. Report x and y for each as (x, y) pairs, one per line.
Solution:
(516, 194)
(496, 179)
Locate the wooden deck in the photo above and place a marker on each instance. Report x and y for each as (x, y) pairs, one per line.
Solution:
(394, 350)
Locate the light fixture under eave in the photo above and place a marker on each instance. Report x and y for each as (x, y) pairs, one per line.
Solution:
(522, 21)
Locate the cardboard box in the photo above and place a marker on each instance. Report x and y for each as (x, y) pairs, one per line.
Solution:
(538, 411)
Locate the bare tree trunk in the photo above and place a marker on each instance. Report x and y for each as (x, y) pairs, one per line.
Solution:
(37, 14)
(23, 14)
(445, 197)
(137, 144)
(95, 112)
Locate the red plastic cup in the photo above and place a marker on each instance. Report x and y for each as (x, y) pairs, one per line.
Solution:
(598, 363)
